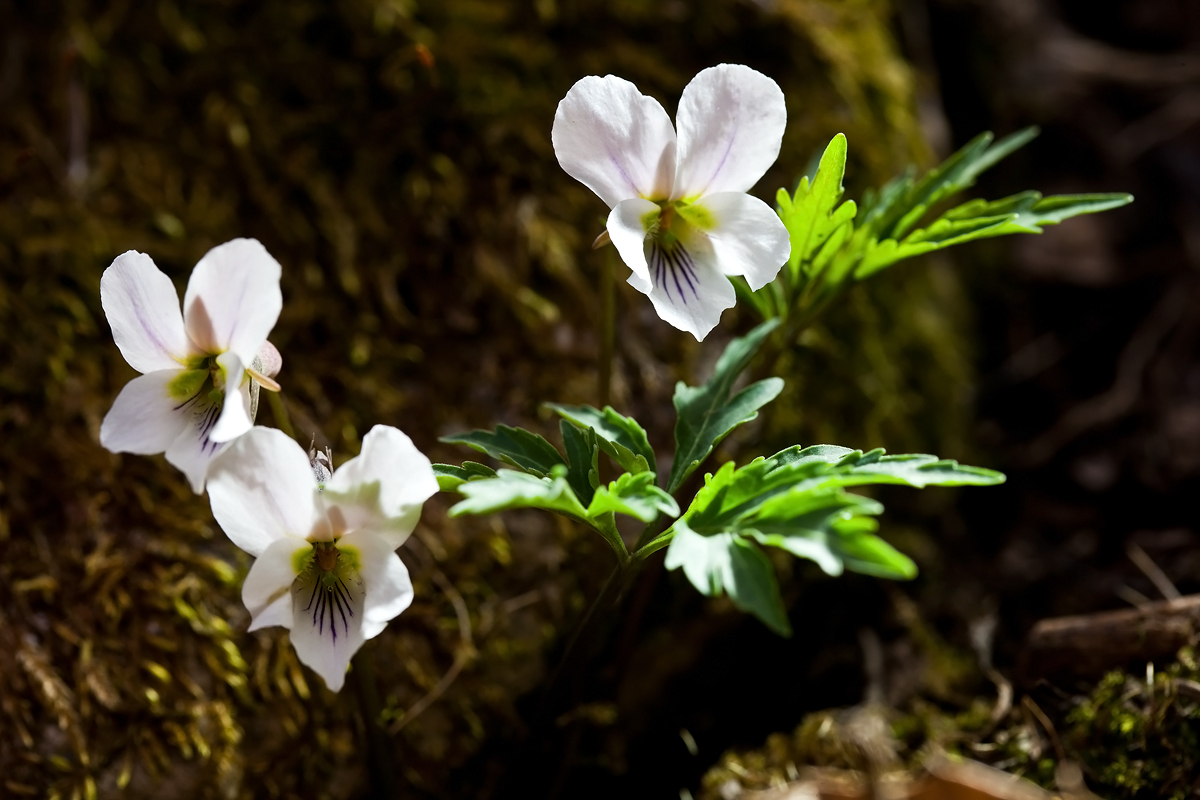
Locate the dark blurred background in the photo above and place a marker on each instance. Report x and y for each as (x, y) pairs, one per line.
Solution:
(395, 156)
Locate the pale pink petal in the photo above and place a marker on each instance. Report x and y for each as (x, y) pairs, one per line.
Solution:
(747, 237)
(615, 140)
(142, 307)
(628, 224)
(233, 299)
(267, 591)
(731, 120)
(261, 489)
(145, 418)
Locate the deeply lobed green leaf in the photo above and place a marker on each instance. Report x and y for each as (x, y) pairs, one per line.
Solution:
(635, 496)
(583, 453)
(450, 477)
(620, 437)
(730, 564)
(516, 447)
(707, 413)
(812, 216)
(833, 245)
(796, 500)
(1027, 212)
(511, 489)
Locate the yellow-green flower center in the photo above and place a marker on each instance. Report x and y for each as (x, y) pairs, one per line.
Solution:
(201, 374)
(665, 223)
(330, 575)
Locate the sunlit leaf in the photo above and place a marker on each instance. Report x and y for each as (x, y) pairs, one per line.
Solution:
(812, 215)
(450, 477)
(796, 500)
(730, 564)
(635, 496)
(707, 413)
(620, 437)
(511, 489)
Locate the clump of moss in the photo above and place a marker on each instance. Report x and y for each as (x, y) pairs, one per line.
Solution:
(1139, 736)
(1136, 737)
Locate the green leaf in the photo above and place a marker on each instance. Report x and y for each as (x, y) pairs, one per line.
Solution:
(511, 489)
(516, 447)
(910, 201)
(620, 437)
(1026, 212)
(804, 524)
(830, 249)
(1056, 208)
(796, 500)
(861, 551)
(812, 215)
(583, 453)
(731, 564)
(635, 496)
(846, 467)
(706, 414)
(450, 477)
(770, 301)
(729, 497)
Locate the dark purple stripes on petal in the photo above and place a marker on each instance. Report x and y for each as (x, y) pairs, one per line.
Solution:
(671, 266)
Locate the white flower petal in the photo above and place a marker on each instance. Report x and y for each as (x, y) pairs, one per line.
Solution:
(261, 489)
(327, 624)
(144, 419)
(628, 223)
(269, 360)
(689, 291)
(233, 299)
(388, 588)
(731, 120)
(384, 486)
(235, 411)
(194, 448)
(747, 237)
(142, 307)
(615, 140)
(267, 591)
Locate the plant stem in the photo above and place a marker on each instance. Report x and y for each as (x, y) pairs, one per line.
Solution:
(608, 313)
(380, 758)
(612, 589)
(280, 413)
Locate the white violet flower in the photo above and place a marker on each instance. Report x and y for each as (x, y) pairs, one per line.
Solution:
(325, 543)
(191, 360)
(681, 218)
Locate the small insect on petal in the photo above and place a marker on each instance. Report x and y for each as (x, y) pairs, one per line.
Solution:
(321, 462)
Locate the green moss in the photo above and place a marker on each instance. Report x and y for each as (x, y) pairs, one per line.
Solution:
(395, 157)
(1135, 738)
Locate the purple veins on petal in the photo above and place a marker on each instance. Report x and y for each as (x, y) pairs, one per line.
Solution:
(669, 265)
(346, 589)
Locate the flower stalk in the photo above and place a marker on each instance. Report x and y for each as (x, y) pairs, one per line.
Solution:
(608, 327)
